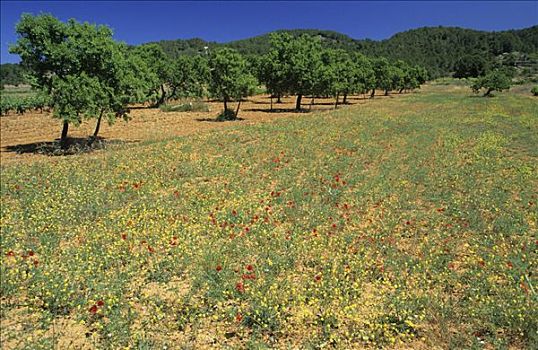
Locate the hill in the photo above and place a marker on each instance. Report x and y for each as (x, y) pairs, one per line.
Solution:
(436, 48)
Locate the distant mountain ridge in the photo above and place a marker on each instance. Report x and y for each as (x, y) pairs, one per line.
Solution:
(436, 48)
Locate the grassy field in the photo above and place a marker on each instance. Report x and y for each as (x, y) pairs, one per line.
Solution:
(407, 222)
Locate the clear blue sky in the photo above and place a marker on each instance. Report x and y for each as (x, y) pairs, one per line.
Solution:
(137, 22)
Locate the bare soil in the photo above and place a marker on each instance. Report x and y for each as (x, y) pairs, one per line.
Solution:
(23, 137)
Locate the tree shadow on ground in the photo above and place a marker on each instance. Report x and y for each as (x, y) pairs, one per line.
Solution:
(277, 110)
(215, 120)
(75, 145)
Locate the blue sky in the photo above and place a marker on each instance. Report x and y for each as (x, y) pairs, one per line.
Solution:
(137, 22)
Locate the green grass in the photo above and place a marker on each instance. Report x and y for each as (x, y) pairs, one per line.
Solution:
(409, 219)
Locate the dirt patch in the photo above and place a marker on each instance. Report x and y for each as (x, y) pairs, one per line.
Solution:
(27, 137)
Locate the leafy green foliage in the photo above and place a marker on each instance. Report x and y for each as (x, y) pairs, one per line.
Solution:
(12, 74)
(22, 104)
(438, 49)
(534, 90)
(159, 71)
(495, 80)
(470, 66)
(83, 70)
(230, 77)
(297, 63)
(189, 77)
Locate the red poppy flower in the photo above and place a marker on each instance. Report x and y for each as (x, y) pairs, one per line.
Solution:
(238, 317)
(93, 309)
(317, 278)
(250, 267)
(218, 268)
(10, 253)
(36, 262)
(100, 303)
(124, 236)
(248, 276)
(240, 287)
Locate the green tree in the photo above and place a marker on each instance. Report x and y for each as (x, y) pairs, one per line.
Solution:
(230, 79)
(364, 75)
(299, 61)
(495, 80)
(383, 75)
(160, 71)
(470, 66)
(188, 77)
(78, 65)
(271, 71)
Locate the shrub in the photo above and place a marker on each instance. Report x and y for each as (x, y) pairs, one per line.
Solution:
(228, 114)
(196, 106)
(535, 90)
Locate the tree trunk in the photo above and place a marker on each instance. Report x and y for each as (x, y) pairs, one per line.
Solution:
(386, 92)
(372, 95)
(298, 103)
(163, 96)
(278, 98)
(488, 92)
(400, 90)
(237, 110)
(97, 128)
(173, 93)
(225, 105)
(345, 99)
(63, 138)
(336, 102)
(271, 103)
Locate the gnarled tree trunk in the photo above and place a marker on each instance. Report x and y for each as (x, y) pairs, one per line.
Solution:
(372, 95)
(298, 103)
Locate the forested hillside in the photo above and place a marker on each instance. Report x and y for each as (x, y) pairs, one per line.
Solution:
(436, 48)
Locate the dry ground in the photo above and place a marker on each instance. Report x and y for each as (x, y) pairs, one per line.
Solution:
(22, 134)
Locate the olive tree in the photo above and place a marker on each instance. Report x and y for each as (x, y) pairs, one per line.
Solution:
(230, 79)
